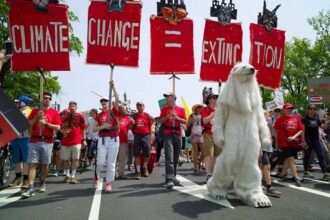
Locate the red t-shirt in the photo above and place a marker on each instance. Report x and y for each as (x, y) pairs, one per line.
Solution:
(287, 127)
(51, 116)
(75, 134)
(205, 112)
(143, 123)
(124, 121)
(169, 123)
(103, 118)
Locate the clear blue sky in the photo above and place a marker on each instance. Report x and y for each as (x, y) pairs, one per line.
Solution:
(139, 84)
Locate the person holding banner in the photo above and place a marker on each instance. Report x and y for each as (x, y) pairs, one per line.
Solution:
(172, 116)
(46, 120)
(210, 151)
(108, 142)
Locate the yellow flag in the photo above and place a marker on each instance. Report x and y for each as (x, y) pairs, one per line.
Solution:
(186, 107)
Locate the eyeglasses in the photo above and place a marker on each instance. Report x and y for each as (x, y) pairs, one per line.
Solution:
(48, 98)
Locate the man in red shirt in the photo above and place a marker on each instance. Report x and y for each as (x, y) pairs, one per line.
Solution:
(209, 150)
(107, 124)
(74, 134)
(44, 123)
(142, 139)
(125, 123)
(172, 116)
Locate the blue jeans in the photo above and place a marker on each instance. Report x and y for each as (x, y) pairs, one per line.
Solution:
(172, 145)
(314, 144)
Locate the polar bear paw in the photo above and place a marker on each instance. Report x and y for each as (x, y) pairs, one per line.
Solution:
(258, 200)
(217, 193)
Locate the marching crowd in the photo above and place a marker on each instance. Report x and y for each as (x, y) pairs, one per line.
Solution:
(117, 136)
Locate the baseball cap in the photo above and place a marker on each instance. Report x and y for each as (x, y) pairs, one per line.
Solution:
(104, 98)
(168, 94)
(139, 103)
(287, 106)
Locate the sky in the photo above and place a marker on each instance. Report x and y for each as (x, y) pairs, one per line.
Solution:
(139, 85)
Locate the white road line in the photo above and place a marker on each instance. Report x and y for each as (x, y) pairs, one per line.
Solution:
(198, 191)
(6, 193)
(316, 192)
(95, 209)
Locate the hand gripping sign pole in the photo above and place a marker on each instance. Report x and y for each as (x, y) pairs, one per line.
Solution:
(110, 92)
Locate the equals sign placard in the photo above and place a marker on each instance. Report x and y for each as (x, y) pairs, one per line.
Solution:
(177, 45)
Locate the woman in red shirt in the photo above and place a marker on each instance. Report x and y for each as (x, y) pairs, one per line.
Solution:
(288, 128)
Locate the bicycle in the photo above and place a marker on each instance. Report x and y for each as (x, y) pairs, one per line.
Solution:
(5, 164)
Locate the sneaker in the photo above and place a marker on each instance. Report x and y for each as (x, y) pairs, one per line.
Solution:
(298, 182)
(169, 185)
(96, 183)
(42, 187)
(108, 187)
(145, 172)
(208, 176)
(54, 173)
(137, 176)
(176, 181)
(67, 179)
(326, 177)
(28, 193)
(272, 192)
(122, 177)
(16, 182)
(308, 175)
(73, 180)
(25, 184)
(64, 173)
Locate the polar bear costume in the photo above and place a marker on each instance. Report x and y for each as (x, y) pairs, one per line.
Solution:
(239, 128)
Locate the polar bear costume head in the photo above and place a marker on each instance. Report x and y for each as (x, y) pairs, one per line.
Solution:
(241, 91)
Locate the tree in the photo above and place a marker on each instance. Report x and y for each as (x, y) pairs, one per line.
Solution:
(27, 83)
(304, 60)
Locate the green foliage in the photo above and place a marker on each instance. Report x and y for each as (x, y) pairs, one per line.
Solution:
(27, 83)
(304, 60)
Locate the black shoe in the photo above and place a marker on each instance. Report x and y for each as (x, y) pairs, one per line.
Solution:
(298, 182)
(122, 177)
(176, 181)
(169, 185)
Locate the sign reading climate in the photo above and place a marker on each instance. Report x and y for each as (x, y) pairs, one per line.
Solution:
(114, 37)
(39, 38)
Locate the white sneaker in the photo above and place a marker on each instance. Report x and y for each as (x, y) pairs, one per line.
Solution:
(108, 187)
(42, 187)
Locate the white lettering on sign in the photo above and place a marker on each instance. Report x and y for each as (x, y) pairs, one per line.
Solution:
(173, 44)
(221, 52)
(113, 33)
(40, 38)
(268, 55)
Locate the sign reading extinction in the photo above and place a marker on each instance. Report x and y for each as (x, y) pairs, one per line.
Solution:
(222, 49)
(267, 55)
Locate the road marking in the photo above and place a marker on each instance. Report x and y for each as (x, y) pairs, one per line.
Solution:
(316, 192)
(318, 181)
(5, 194)
(198, 191)
(95, 209)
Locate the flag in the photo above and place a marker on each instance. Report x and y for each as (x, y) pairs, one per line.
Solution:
(161, 103)
(315, 100)
(186, 107)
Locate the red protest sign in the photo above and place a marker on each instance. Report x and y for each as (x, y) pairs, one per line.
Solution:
(222, 48)
(172, 49)
(267, 55)
(40, 40)
(114, 37)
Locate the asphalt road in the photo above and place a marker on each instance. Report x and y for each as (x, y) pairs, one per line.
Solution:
(148, 199)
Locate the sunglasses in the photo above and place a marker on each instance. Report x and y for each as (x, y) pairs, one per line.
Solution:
(311, 108)
(48, 98)
(214, 97)
(277, 110)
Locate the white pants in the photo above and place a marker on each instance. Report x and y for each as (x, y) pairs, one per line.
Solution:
(107, 152)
